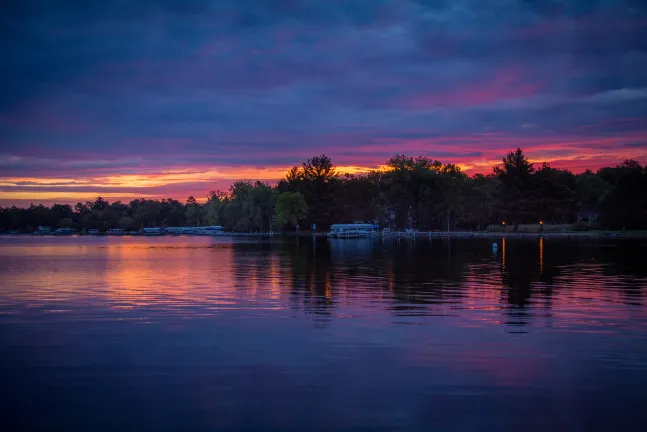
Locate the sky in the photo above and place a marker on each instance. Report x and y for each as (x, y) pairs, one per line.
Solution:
(163, 98)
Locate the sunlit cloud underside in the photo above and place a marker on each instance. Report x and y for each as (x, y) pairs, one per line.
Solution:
(177, 98)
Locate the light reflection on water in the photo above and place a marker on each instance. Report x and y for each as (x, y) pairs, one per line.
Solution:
(155, 333)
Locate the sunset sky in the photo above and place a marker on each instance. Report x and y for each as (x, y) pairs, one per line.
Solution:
(164, 98)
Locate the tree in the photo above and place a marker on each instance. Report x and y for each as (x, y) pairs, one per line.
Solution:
(81, 208)
(191, 201)
(516, 181)
(407, 183)
(146, 213)
(318, 168)
(590, 191)
(516, 168)
(453, 184)
(424, 193)
(291, 208)
(152, 212)
(194, 212)
(236, 212)
(554, 197)
(625, 204)
(61, 211)
(100, 204)
(66, 223)
(358, 198)
(481, 202)
(411, 192)
(215, 207)
(260, 206)
(172, 212)
(126, 223)
(316, 180)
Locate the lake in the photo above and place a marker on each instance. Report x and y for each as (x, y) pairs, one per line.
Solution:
(200, 333)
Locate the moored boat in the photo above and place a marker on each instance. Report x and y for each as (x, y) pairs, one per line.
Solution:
(354, 230)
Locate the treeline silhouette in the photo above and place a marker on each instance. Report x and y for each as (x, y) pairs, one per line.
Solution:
(412, 192)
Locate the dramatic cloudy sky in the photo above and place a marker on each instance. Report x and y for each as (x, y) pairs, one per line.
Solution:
(169, 98)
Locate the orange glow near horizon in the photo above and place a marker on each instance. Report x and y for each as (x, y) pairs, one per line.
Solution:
(180, 183)
(135, 186)
(69, 196)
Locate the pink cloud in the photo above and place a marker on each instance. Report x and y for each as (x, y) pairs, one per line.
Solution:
(507, 83)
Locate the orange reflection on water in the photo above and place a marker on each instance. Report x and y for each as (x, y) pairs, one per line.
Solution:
(328, 289)
(192, 277)
(275, 277)
(165, 275)
(130, 273)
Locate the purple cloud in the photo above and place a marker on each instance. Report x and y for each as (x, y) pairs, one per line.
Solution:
(127, 88)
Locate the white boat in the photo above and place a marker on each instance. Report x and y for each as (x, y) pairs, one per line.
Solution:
(183, 230)
(213, 230)
(152, 231)
(199, 230)
(355, 230)
(43, 230)
(63, 231)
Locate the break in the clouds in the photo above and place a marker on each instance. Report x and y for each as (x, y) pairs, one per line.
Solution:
(164, 97)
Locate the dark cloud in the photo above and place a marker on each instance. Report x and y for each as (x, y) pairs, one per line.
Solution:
(269, 82)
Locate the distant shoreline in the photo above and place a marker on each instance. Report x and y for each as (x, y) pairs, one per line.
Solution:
(390, 235)
(492, 234)
(568, 234)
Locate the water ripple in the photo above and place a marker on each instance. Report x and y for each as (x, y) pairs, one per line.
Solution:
(378, 332)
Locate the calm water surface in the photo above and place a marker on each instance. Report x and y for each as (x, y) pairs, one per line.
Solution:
(203, 333)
